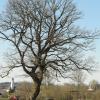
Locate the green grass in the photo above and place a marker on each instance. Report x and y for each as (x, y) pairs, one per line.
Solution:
(3, 98)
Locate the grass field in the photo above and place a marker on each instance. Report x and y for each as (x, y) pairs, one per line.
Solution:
(3, 98)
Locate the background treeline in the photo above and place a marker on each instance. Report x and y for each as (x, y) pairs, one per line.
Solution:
(59, 92)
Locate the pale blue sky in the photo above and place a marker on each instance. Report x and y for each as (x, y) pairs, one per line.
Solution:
(90, 20)
(90, 17)
(2, 4)
(90, 10)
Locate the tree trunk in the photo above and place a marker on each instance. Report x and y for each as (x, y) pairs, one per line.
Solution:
(37, 91)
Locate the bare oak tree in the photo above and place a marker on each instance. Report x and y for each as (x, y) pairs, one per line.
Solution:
(44, 37)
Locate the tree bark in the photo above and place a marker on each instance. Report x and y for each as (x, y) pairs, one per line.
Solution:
(37, 91)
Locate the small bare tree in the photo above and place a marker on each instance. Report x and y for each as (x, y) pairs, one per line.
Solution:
(78, 77)
(24, 90)
(44, 37)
